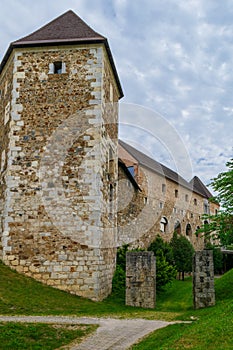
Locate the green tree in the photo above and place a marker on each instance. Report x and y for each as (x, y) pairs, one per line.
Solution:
(160, 244)
(182, 252)
(222, 223)
(165, 269)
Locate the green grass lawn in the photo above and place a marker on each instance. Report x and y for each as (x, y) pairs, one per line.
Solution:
(19, 336)
(212, 329)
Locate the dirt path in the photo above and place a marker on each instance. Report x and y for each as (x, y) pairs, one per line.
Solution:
(114, 334)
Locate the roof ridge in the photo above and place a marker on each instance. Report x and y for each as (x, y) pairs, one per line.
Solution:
(48, 28)
(155, 161)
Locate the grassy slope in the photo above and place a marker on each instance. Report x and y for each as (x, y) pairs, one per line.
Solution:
(20, 295)
(212, 330)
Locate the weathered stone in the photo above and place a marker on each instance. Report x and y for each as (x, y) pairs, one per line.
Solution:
(140, 279)
(203, 279)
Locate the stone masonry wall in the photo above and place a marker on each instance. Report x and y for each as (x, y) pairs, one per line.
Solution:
(56, 197)
(203, 279)
(140, 279)
(160, 198)
(6, 87)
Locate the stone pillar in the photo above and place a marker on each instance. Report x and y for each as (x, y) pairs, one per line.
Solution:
(141, 279)
(203, 279)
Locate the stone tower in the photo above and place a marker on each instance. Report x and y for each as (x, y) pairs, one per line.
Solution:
(59, 93)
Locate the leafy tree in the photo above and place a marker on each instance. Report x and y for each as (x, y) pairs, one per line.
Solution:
(160, 244)
(165, 269)
(182, 252)
(222, 223)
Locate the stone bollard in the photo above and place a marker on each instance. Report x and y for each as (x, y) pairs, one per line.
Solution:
(141, 279)
(203, 279)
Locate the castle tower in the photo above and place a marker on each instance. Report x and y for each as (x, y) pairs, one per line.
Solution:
(59, 91)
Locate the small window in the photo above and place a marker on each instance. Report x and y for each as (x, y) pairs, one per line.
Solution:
(174, 210)
(145, 200)
(188, 230)
(163, 188)
(57, 67)
(163, 224)
(176, 193)
(195, 201)
(161, 205)
(186, 198)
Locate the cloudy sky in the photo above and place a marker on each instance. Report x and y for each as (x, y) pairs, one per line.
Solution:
(175, 62)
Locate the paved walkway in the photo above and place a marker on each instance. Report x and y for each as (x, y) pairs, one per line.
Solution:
(112, 334)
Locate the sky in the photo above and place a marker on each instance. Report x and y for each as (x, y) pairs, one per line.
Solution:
(174, 60)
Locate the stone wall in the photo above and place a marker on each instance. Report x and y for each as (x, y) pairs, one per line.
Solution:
(140, 279)
(203, 279)
(56, 215)
(180, 208)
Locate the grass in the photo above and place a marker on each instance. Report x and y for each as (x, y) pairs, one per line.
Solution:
(16, 293)
(213, 328)
(40, 336)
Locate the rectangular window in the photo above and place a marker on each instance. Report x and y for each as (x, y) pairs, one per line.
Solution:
(160, 205)
(163, 188)
(186, 198)
(57, 67)
(195, 201)
(176, 193)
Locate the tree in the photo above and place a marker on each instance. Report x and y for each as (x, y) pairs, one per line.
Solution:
(165, 269)
(182, 252)
(222, 223)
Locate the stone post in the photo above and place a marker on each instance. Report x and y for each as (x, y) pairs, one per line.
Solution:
(141, 279)
(203, 279)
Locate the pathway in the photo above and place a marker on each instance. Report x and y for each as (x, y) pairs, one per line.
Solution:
(112, 334)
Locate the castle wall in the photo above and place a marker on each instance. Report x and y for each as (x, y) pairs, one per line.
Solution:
(55, 192)
(140, 220)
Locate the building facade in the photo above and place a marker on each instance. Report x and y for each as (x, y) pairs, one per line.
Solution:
(165, 203)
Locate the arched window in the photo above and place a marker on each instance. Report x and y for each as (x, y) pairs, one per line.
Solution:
(177, 227)
(163, 224)
(188, 230)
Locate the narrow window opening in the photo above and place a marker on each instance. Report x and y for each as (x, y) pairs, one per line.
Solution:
(163, 224)
(188, 230)
(57, 67)
(176, 193)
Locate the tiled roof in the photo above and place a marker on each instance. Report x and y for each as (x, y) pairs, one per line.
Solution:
(66, 29)
(198, 186)
(153, 165)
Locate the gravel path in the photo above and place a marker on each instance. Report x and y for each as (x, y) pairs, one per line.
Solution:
(112, 334)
